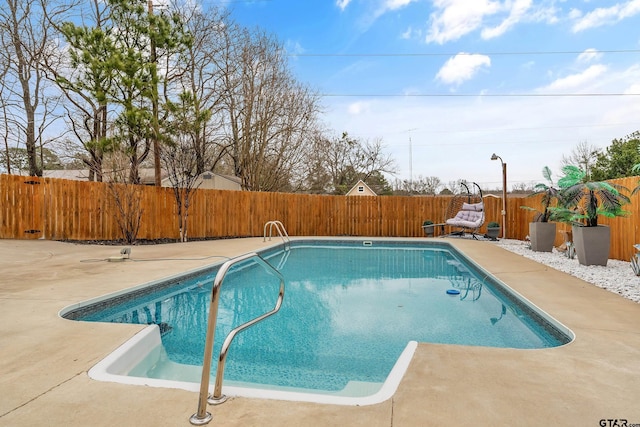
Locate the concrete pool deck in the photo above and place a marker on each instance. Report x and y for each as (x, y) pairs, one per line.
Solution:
(44, 359)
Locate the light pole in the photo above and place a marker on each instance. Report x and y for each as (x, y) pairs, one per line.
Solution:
(504, 194)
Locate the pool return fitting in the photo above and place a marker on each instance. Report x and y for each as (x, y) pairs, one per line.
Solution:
(202, 417)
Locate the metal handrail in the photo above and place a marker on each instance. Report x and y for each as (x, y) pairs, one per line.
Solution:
(283, 260)
(202, 417)
(279, 228)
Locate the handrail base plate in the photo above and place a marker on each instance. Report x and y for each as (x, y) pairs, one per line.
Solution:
(212, 400)
(197, 421)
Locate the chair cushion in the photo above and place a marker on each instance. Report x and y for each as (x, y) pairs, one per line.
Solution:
(467, 218)
(473, 206)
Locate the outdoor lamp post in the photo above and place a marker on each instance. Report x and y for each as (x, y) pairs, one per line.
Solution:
(504, 194)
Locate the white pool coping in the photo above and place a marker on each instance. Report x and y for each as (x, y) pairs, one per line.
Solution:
(116, 366)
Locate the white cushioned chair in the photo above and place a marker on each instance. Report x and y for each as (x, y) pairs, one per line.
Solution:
(470, 218)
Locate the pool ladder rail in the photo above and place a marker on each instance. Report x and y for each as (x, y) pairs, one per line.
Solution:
(202, 417)
(281, 232)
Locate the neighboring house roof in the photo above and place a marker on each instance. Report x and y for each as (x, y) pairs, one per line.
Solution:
(231, 178)
(147, 175)
(211, 180)
(361, 189)
(207, 180)
(75, 174)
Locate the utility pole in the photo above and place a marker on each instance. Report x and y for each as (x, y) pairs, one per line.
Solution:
(410, 162)
(154, 102)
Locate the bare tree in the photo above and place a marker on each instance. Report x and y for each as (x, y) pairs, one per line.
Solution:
(27, 40)
(199, 79)
(370, 158)
(422, 185)
(8, 136)
(316, 178)
(523, 187)
(270, 117)
(431, 184)
(337, 161)
(85, 79)
(347, 160)
(182, 170)
(456, 187)
(126, 197)
(584, 156)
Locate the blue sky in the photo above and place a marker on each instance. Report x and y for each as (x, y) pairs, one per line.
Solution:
(446, 83)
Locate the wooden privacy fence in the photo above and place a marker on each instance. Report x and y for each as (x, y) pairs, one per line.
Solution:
(55, 209)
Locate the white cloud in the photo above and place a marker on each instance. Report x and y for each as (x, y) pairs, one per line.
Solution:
(294, 47)
(388, 6)
(380, 8)
(396, 4)
(518, 11)
(629, 79)
(575, 14)
(528, 65)
(606, 15)
(462, 67)
(544, 13)
(407, 34)
(576, 81)
(342, 4)
(589, 55)
(358, 108)
(455, 18)
(634, 89)
(411, 33)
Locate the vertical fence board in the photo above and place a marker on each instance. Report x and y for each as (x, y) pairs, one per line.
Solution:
(34, 226)
(6, 211)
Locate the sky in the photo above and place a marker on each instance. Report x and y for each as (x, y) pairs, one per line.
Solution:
(446, 83)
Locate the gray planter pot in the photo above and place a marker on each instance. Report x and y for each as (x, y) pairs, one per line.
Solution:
(592, 244)
(542, 236)
(428, 230)
(493, 233)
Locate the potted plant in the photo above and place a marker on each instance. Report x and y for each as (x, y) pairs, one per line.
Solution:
(493, 230)
(427, 226)
(581, 202)
(542, 230)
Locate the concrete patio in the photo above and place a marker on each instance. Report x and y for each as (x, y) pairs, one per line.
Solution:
(44, 359)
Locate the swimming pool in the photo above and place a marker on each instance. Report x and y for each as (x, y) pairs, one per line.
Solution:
(351, 307)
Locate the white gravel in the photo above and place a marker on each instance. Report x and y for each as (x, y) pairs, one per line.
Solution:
(617, 276)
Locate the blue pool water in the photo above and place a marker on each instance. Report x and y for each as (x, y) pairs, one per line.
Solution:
(349, 311)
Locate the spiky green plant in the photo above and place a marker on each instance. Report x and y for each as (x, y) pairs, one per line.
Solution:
(549, 194)
(581, 202)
